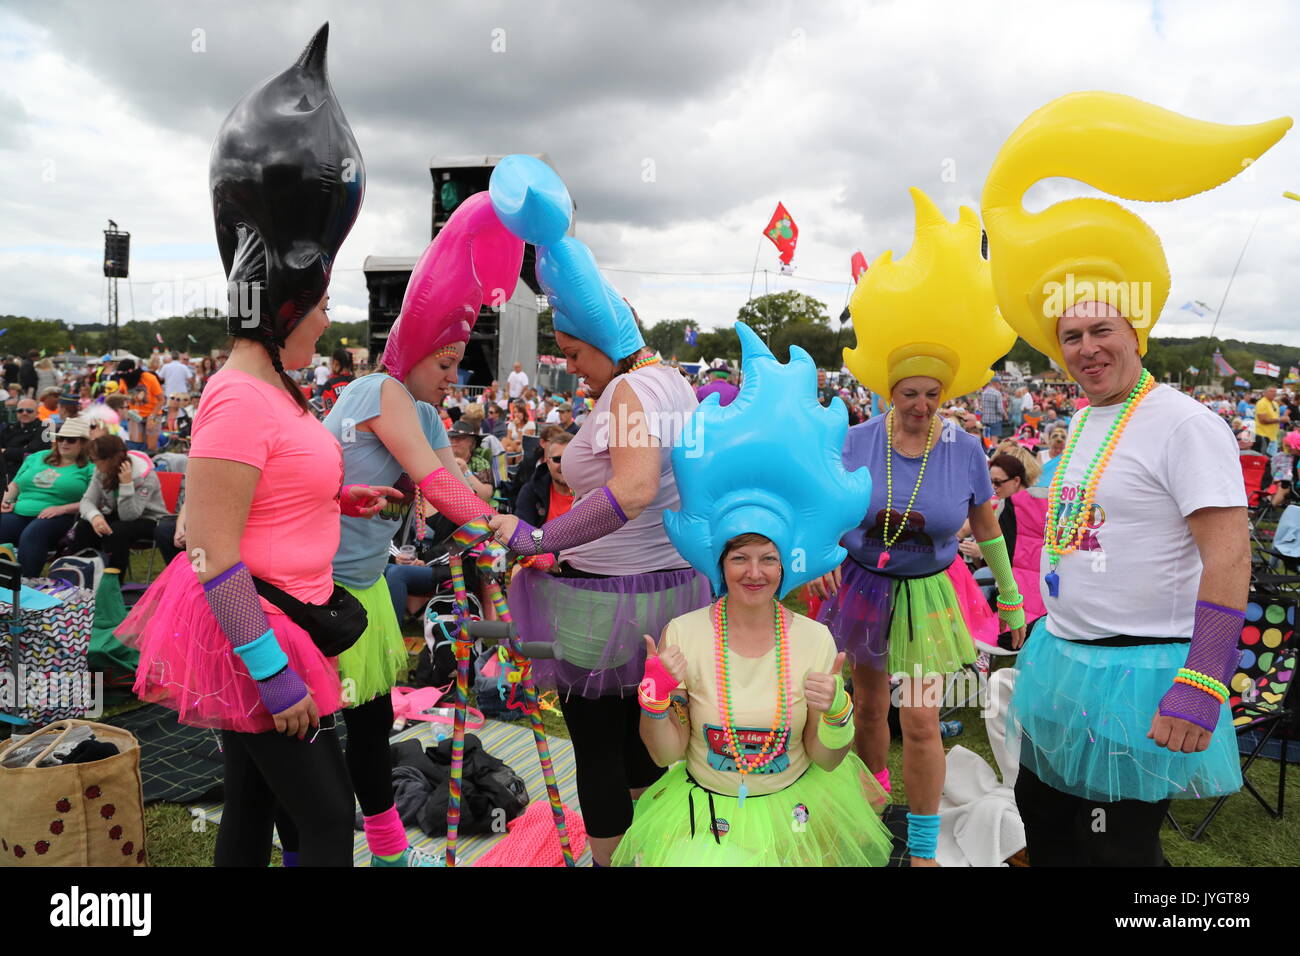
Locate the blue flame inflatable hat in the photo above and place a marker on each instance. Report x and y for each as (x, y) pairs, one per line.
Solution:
(532, 202)
(750, 480)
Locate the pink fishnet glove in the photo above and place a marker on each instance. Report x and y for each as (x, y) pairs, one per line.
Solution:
(359, 501)
(453, 498)
(662, 683)
(1214, 652)
(595, 516)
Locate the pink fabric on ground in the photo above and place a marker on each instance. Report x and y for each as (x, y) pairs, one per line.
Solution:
(980, 619)
(385, 833)
(532, 840)
(292, 530)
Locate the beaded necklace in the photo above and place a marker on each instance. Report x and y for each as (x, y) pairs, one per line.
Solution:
(889, 485)
(746, 764)
(1073, 525)
(645, 363)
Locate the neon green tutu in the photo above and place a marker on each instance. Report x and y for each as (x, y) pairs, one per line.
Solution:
(822, 819)
(927, 632)
(373, 664)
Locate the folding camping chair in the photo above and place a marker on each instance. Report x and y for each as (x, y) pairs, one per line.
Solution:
(1261, 687)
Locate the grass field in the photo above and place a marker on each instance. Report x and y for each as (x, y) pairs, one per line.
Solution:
(1241, 835)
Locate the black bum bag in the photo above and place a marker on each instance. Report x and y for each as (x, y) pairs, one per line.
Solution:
(333, 627)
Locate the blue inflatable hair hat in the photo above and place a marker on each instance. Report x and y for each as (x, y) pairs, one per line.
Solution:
(531, 201)
(742, 476)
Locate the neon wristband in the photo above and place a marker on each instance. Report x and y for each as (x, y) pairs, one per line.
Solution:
(834, 737)
(263, 656)
(841, 706)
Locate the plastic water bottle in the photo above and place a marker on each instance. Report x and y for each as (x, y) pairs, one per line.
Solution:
(949, 728)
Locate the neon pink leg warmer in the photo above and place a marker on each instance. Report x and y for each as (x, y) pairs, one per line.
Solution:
(883, 779)
(385, 833)
(452, 497)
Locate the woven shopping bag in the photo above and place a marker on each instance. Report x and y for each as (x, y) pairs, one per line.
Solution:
(80, 814)
(43, 655)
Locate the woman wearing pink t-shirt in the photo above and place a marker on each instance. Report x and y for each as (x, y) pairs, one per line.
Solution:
(264, 484)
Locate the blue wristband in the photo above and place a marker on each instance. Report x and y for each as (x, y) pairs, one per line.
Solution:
(923, 835)
(263, 657)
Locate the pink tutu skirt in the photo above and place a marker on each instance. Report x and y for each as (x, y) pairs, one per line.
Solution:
(982, 623)
(186, 662)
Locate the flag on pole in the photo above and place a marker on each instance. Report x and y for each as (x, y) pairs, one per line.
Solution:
(1221, 365)
(1241, 382)
(192, 339)
(1266, 368)
(692, 335)
(783, 232)
(1194, 370)
(1292, 375)
(857, 265)
(158, 336)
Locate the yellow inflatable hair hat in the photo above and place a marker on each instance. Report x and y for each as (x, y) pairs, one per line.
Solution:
(1092, 249)
(932, 312)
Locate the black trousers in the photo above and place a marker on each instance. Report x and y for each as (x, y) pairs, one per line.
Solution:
(308, 780)
(369, 765)
(610, 758)
(1064, 830)
(117, 545)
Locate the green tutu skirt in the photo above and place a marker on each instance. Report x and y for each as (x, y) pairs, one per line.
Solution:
(822, 819)
(373, 664)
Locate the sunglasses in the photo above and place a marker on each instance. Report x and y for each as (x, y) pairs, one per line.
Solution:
(26, 411)
(999, 482)
(62, 439)
(557, 459)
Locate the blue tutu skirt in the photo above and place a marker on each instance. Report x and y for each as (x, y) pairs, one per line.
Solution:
(1083, 713)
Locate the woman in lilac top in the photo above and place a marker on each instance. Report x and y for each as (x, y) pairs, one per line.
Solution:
(618, 576)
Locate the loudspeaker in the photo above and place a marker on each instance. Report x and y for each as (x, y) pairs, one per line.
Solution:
(117, 254)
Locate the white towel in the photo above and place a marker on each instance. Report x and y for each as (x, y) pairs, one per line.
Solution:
(979, 824)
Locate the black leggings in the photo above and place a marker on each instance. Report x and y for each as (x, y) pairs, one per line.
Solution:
(368, 762)
(1064, 830)
(307, 780)
(610, 758)
(117, 544)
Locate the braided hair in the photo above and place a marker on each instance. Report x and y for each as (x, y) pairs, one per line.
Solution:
(290, 386)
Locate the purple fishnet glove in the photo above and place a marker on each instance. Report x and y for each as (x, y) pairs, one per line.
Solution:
(238, 611)
(595, 516)
(1214, 652)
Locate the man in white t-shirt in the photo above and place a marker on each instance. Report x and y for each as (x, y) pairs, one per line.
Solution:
(322, 373)
(176, 376)
(1156, 583)
(517, 381)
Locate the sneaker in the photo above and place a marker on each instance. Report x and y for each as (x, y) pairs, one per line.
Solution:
(1002, 648)
(410, 857)
(947, 728)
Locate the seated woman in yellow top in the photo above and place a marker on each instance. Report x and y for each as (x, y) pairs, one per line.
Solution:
(745, 696)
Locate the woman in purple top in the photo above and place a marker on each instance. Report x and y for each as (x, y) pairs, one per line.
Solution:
(894, 608)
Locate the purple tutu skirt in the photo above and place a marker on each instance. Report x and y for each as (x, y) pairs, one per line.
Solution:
(186, 662)
(596, 624)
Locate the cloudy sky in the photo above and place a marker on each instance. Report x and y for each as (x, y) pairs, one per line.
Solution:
(677, 127)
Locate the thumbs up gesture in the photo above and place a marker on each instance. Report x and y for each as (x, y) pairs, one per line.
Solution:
(819, 689)
(666, 670)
